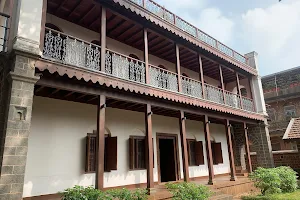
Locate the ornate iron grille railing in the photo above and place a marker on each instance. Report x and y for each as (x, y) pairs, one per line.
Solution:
(232, 99)
(163, 78)
(124, 67)
(163, 13)
(248, 104)
(4, 18)
(214, 94)
(69, 50)
(191, 87)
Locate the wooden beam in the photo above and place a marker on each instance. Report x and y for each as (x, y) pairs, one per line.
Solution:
(222, 83)
(184, 147)
(208, 151)
(133, 35)
(230, 150)
(157, 102)
(73, 9)
(239, 89)
(81, 96)
(69, 94)
(163, 48)
(247, 148)
(202, 77)
(87, 13)
(125, 30)
(157, 43)
(103, 38)
(178, 68)
(149, 153)
(116, 26)
(100, 142)
(43, 22)
(59, 5)
(146, 54)
(91, 99)
(54, 92)
(39, 89)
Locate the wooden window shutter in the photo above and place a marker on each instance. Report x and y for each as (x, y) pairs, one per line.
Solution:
(111, 151)
(90, 163)
(131, 153)
(199, 153)
(217, 153)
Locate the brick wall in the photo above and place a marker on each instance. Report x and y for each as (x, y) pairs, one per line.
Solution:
(291, 159)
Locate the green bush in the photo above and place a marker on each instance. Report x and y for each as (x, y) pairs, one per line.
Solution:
(275, 180)
(125, 194)
(90, 193)
(187, 191)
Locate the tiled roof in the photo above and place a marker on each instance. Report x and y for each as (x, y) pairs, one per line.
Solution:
(293, 129)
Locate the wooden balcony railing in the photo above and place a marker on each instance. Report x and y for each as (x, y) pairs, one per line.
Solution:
(170, 17)
(65, 49)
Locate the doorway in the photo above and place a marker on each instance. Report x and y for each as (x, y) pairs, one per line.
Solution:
(168, 164)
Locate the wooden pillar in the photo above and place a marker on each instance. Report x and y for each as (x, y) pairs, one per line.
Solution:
(239, 89)
(149, 153)
(208, 151)
(103, 38)
(100, 141)
(222, 83)
(43, 23)
(178, 67)
(247, 148)
(184, 147)
(230, 151)
(202, 77)
(146, 55)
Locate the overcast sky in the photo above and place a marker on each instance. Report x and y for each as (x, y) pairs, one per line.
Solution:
(269, 27)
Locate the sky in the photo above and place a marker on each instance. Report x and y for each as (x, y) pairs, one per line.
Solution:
(269, 27)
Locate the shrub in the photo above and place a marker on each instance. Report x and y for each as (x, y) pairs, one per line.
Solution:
(90, 193)
(187, 191)
(288, 179)
(274, 180)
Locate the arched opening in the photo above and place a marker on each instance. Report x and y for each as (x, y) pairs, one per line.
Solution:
(134, 57)
(53, 27)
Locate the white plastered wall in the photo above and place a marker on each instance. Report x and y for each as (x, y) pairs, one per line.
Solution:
(56, 153)
(88, 36)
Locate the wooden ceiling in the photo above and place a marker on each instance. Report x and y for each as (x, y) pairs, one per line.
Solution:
(87, 14)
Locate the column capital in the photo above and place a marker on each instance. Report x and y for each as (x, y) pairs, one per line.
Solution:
(18, 77)
(26, 45)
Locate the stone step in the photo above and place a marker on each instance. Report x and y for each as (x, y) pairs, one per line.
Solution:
(245, 174)
(222, 197)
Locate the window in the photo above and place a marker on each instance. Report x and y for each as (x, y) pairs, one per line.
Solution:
(195, 151)
(186, 85)
(244, 92)
(271, 113)
(137, 152)
(289, 112)
(110, 153)
(217, 153)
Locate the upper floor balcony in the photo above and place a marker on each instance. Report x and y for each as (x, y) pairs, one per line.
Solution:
(93, 38)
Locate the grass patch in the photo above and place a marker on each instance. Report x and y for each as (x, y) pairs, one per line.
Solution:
(281, 196)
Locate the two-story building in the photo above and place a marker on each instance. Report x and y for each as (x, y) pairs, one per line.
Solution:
(121, 93)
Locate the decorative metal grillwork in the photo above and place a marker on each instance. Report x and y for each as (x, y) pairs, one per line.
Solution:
(214, 94)
(159, 11)
(225, 49)
(207, 39)
(239, 57)
(163, 79)
(124, 67)
(139, 2)
(68, 50)
(232, 100)
(183, 25)
(191, 87)
(247, 104)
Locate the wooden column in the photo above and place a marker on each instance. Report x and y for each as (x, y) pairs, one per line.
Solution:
(178, 67)
(100, 141)
(247, 148)
(230, 151)
(149, 153)
(103, 38)
(208, 151)
(184, 147)
(146, 55)
(43, 22)
(202, 77)
(222, 83)
(239, 89)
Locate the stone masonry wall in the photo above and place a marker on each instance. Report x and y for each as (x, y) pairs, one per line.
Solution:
(239, 145)
(15, 130)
